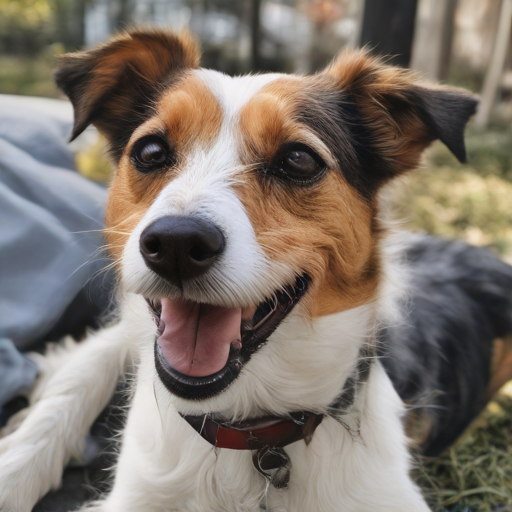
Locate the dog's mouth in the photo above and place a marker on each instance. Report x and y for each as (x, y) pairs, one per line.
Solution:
(200, 348)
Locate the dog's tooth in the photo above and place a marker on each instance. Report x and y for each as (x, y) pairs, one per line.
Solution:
(237, 344)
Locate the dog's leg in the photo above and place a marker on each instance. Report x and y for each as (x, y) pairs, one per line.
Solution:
(55, 357)
(33, 457)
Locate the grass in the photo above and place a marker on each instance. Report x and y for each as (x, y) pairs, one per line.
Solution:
(472, 201)
(476, 474)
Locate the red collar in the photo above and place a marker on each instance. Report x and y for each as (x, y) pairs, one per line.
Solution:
(257, 433)
(267, 435)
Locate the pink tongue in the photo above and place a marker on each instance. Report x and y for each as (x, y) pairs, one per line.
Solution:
(196, 338)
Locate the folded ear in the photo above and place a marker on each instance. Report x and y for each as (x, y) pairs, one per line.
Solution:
(114, 85)
(399, 115)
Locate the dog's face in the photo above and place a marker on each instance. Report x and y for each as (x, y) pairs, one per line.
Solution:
(245, 209)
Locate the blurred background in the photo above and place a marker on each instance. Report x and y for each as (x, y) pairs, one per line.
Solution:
(461, 42)
(466, 43)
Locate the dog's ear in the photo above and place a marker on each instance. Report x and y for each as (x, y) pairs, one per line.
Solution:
(113, 85)
(399, 115)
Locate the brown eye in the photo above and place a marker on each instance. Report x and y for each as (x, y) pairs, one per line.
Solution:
(150, 154)
(300, 164)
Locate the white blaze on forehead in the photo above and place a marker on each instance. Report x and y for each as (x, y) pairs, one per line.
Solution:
(233, 93)
(203, 187)
(210, 167)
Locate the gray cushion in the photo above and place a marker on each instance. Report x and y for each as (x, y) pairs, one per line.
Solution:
(50, 224)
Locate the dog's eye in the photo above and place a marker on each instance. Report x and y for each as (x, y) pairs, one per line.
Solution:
(151, 153)
(300, 165)
(300, 162)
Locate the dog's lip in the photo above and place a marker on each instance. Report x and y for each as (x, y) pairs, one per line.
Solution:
(255, 330)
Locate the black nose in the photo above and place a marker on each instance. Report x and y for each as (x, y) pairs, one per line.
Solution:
(180, 248)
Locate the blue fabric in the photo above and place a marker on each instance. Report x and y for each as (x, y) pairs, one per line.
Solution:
(50, 239)
(50, 225)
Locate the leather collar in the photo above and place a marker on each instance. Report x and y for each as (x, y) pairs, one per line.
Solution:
(272, 431)
(257, 433)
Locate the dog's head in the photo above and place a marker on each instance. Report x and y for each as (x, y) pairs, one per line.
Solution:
(246, 208)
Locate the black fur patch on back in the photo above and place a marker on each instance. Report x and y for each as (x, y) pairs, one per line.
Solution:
(440, 358)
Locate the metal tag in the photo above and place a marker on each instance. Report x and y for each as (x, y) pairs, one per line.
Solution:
(274, 464)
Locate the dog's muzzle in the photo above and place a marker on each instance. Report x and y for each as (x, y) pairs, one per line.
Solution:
(201, 349)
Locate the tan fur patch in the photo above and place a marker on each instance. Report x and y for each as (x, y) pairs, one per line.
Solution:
(130, 196)
(326, 229)
(191, 116)
(190, 113)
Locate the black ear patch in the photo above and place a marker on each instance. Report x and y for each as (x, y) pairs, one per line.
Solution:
(114, 86)
(446, 112)
(390, 117)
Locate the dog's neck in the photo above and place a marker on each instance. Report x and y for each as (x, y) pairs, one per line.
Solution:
(267, 436)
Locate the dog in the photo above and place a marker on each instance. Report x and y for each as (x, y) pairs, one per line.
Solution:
(258, 282)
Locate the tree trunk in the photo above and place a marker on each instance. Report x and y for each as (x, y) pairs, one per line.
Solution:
(256, 35)
(433, 38)
(495, 69)
(388, 28)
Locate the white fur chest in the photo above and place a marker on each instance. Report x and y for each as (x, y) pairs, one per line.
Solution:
(165, 466)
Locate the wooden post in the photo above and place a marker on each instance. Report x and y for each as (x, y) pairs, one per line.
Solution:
(433, 38)
(388, 28)
(495, 69)
(256, 35)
